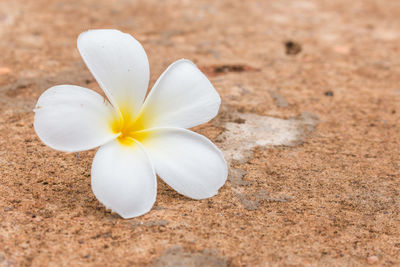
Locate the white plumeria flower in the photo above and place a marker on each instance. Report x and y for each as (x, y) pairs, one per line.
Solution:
(138, 137)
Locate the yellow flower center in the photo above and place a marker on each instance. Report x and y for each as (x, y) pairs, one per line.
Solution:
(129, 127)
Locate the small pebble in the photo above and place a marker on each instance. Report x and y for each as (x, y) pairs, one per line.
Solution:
(372, 260)
(292, 48)
(7, 208)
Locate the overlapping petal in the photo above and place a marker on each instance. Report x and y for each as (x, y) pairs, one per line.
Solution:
(188, 162)
(123, 179)
(119, 64)
(181, 97)
(72, 118)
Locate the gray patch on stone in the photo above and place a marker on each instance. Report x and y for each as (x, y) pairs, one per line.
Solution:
(149, 223)
(239, 139)
(236, 176)
(279, 99)
(177, 257)
(247, 203)
(259, 197)
(159, 208)
(310, 120)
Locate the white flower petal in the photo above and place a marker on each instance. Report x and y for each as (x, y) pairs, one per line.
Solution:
(72, 118)
(181, 97)
(186, 161)
(123, 179)
(119, 64)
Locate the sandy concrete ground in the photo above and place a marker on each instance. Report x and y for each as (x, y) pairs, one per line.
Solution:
(309, 124)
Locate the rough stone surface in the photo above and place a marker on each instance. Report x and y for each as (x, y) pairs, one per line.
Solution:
(314, 182)
(177, 257)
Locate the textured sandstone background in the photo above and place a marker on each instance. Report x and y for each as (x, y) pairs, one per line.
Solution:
(309, 124)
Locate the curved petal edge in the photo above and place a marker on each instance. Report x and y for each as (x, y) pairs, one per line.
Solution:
(182, 97)
(72, 118)
(119, 64)
(188, 162)
(123, 179)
